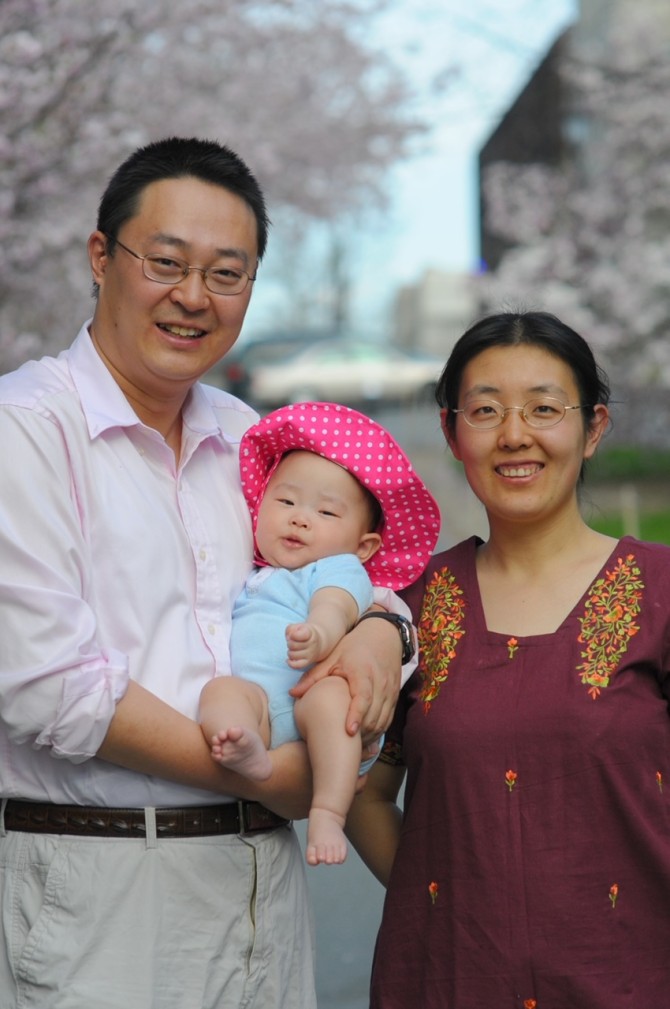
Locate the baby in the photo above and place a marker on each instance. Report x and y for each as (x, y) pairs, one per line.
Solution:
(337, 508)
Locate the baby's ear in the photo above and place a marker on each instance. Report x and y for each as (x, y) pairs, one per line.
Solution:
(369, 545)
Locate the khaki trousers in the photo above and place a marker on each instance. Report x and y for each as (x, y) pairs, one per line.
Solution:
(199, 923)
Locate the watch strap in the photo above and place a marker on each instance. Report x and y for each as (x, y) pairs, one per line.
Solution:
(404, 629)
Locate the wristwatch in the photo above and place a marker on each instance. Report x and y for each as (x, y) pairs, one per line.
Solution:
(404, 629)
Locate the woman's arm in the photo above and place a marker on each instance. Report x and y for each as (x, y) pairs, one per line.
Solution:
(373, 823)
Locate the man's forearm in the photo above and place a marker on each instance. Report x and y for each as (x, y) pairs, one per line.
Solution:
(148, 736)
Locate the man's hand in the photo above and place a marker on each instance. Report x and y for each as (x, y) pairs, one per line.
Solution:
(369, 660)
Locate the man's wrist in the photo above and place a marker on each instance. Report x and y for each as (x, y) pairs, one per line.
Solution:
(404, 627)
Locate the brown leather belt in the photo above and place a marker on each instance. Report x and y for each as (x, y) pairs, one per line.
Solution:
(98, 821)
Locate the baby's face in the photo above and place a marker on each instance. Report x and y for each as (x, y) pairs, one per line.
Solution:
(313, 508)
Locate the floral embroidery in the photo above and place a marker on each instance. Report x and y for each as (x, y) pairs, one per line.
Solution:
(659, 781)
(614, 893)
(440, 629)
(512, 647)
(529, 1003)
(510, 779)
(608, 623)
(433, 889)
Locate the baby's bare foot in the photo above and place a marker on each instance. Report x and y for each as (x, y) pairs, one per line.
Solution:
(326, 842)
(242, 750)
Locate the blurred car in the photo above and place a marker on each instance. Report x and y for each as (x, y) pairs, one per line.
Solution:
(234, 372)
(343, 371)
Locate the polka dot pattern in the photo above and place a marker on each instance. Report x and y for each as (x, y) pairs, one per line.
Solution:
(367, 450)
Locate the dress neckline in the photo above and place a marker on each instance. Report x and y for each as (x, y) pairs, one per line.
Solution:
(477, 607)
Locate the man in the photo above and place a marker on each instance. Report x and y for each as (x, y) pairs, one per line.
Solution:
(131, 874)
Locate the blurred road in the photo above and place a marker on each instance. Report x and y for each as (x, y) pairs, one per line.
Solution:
(347, 900)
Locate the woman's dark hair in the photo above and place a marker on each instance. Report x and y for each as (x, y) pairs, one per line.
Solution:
(536, 329)
(175, 158)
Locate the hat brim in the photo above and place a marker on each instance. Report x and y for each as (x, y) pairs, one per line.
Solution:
(363, 447)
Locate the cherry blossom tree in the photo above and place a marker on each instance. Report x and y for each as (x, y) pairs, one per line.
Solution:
(290, 84)
(592, 238)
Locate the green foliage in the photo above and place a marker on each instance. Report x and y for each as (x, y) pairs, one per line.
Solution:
(646, 471)
(654, 526)
(629, 462)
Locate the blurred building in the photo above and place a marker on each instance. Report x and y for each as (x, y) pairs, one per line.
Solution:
(430, 315)
(541, 125)
(591, 34)
(531, 131)
(613, 42)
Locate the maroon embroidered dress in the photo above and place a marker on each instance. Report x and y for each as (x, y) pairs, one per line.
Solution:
(534, 864)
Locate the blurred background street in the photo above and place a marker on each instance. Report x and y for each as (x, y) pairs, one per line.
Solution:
(347, 903)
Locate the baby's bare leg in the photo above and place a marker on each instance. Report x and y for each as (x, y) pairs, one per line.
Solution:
(234, 720)
(335, 757)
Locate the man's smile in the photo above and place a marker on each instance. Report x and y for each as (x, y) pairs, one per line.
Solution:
(181, 331)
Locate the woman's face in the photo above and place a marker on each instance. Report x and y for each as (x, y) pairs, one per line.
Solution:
(517, 471)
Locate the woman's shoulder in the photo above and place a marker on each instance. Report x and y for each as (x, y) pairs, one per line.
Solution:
(458, 560)
(644, 552)
(643, 564)
(454, 558)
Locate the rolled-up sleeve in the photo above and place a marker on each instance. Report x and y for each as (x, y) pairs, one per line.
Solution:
(58, 686)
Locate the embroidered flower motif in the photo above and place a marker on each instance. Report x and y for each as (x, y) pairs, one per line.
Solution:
(433, 890)
(608, 623)
(614, 893)
(439, 631)
(512, 647)
(659, 781)
(510, 779)
(530, 1003)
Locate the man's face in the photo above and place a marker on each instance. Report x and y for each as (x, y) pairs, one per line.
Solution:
(158, 339)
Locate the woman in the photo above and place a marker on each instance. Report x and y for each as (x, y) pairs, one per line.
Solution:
(531, 866)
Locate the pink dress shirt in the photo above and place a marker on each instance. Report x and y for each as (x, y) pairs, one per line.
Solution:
(114, 564)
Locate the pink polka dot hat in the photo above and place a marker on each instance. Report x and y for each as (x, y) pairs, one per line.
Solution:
(411, 516)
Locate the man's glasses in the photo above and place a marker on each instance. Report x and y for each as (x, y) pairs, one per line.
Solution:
(485, 414)
(168, 270)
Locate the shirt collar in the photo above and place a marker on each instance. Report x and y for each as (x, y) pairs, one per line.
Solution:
(104, 404)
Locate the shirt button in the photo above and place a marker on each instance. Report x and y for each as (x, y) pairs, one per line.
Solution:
(203, 555)
(212, 629)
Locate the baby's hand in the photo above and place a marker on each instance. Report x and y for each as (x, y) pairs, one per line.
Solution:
(304, 645)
